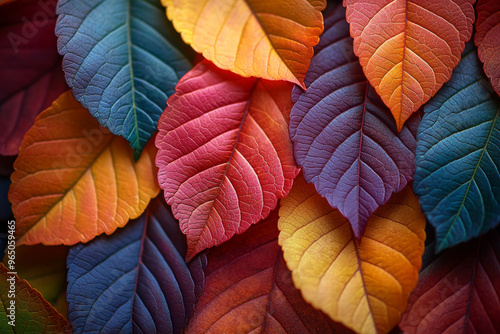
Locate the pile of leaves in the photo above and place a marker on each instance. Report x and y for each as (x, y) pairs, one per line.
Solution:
(237, 166)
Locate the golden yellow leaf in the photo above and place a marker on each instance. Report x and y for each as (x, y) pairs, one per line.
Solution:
(365, 284)
(268, 39)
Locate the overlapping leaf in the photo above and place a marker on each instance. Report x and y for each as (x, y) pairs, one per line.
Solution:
(74, 180)
(135, 280)
(344, 137)
(30, 68)
(33, 314)
(459, 292)
(122, 60)
(249, 289)
(44, 268)
(487, 39)
(408, 49)
(364, 284)
(224, 153)
(266, 39)
(458, 156)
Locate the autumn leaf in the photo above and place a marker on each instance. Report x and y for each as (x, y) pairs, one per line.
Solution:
(487, 39)
(458, 154)
(135, 281)
(122, 59)
(266, 39)
(74, 180)
(249, 289)
(33, 314)
(344, 138)
(224, 155)
(31, 66)
(363, 284)
(408, 49)
(459, 291)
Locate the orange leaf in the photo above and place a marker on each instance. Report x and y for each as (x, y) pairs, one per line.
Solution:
(32, 313)
(266, 39)
(74, 180)
(408, 48)
(364, 284)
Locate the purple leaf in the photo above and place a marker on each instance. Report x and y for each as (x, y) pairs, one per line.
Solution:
(344, 137)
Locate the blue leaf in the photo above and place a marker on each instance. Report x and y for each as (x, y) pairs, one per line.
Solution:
(122, 61)
(458, 156)
(135, 280)
(344, 137)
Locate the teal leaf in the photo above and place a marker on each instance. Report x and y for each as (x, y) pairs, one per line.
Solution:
(458, 156)
(122, 59)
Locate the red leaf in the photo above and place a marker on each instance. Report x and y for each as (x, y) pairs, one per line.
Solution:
(32, 65)
(487, 39)
(224, 153)
(459, 292)
(248, 288)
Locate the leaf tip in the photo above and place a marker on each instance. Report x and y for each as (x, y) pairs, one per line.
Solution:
(137, 154)
(441, 246)
(301, 84)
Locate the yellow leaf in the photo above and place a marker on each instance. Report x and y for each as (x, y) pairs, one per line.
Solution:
(267, 39)
(364, 284)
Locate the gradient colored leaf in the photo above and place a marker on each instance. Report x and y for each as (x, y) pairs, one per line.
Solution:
(458, 155)
(135, 280)
(33, 314)
(459, 292)
(408, 49)
(44, 268)
(487, 39)
(74, 180)
(122, 59)
(249, 289)
(224, 153)
(30, 66)
(265, 39)
(344, 138)
(364, 284)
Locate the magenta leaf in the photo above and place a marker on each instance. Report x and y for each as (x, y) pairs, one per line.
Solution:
(30, 66)
(224, 153)
(344, 137)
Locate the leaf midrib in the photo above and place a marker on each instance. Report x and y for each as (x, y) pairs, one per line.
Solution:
(131, 67)
(268, 37)
(70, 188)
(236, 141)
(479, 161)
